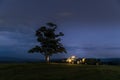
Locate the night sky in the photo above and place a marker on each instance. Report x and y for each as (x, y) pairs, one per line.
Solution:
(91, 27)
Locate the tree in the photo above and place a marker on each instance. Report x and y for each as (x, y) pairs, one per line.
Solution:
(49, 41)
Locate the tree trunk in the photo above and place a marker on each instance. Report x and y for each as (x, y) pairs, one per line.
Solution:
(47, 58)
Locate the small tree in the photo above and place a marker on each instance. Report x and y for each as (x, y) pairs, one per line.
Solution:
(49, 41)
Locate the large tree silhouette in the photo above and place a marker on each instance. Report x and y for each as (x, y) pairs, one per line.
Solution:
(49, 41)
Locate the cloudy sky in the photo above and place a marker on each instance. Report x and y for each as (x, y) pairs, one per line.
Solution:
(91, 27)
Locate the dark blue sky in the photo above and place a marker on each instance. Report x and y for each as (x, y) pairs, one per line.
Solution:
(91, 27)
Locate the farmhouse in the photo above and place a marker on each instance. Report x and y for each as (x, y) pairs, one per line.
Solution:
(75, 60)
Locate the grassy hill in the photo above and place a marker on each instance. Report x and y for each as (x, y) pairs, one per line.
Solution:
(41, 71)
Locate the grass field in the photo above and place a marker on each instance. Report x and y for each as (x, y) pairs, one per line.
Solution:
(41, 71)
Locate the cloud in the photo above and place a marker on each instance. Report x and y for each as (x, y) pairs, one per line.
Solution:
(5, 39)
(8, 38)
(65, 14)
(15, 44)
(94, 51)
(20, 18)
(29, 11)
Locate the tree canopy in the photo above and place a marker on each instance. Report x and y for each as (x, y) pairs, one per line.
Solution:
(49, 41)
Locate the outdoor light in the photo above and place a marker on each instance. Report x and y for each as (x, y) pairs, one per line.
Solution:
(69, 60)
(72, 57)
(83, 60)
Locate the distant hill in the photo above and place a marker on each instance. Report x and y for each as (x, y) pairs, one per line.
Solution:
(10, 59)
(14, 59)
(111, 61)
